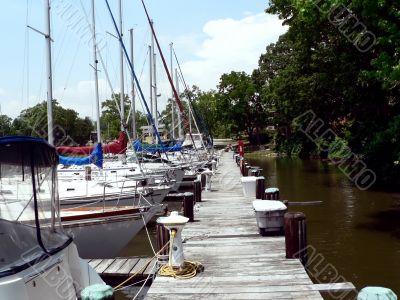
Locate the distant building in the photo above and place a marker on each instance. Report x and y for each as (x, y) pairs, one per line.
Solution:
(148, 132)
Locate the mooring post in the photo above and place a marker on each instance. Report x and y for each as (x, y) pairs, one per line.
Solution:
(260, 188)
(196, 187)
(272, 193)
(237, 158)
(242, 165)
(296, 236)
(214, 166)
(162, 236)
(203, 180)
(247, 168)
(197, 184)
(194, 191)
(188, 206)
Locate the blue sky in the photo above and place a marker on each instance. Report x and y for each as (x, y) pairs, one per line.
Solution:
(210, 38)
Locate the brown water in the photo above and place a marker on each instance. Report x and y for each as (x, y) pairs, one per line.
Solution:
(356, 232)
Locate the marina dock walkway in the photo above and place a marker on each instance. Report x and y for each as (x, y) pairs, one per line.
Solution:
(238, 262)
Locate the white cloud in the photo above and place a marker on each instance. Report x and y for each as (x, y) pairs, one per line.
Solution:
(231, 45)
(81, 97)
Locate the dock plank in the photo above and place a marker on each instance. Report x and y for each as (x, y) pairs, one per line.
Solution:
(238, 262)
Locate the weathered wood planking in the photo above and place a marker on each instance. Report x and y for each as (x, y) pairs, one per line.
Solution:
(116, 270)
(239, 263)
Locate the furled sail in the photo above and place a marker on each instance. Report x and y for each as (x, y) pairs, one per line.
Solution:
(116, 147)
(138, 146)
(96, 157)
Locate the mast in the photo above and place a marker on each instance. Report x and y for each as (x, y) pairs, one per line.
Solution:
(151, 82)
(50, 136)
(172, 95)
(49, 75)
(96, 77)
(190, 116)
(155, 87)
(133, 91)
(121, 61)
(180, 131)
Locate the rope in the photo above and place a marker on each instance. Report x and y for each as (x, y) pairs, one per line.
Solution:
(148, 235)
(143, 268)
(189, 270)
(144, 284)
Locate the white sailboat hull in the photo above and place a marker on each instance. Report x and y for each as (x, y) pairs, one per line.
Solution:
(60, 276)
(106, 238)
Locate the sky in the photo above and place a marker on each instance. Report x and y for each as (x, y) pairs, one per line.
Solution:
(210, 38)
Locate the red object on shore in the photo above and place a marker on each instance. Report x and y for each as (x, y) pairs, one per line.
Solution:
(241, 148)
(116, 147)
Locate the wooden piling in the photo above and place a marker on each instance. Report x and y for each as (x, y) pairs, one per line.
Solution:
(260, 188)
(188, 206)
(242, 166)
(247, 168)
(203, 181)
(197, 190)
(162, 236)
(272, 194)
(296, 236)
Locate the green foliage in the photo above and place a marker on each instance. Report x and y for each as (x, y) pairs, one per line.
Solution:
(110, 121)
(68, 127)
(319, 65)
(240, 105)
(5, 125)
(383, 154)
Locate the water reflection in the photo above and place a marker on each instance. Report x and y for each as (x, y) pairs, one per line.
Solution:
(356, 231)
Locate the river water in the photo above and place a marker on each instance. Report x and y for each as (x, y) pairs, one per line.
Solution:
(353, 234)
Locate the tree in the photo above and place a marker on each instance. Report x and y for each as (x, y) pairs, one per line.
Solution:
(240, 105)
(110, 121)
(5, 125)
(68, 126)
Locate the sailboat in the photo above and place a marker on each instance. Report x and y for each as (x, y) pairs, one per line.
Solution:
(101, 231)
(38, 260)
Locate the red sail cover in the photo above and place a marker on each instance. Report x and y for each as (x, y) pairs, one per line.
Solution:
(116, 147)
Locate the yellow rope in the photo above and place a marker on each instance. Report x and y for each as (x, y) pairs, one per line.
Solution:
(189, 270)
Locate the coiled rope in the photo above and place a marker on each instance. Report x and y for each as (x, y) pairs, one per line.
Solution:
(189, 269)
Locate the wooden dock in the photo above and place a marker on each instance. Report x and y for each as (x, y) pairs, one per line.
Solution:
(238, 262)
(116, 270)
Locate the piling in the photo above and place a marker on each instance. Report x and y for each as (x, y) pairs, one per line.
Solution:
(296, 236)
(247, 168)
(188, 206)
(162, 235)
(197, 191)
(213, 165)
(272, 194)
(260, 188)
(242, 166)
(203, 180)
(254, 171)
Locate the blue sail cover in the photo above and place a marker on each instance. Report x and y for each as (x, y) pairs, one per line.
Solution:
(24, 150)
(96, 157)
(139, 147)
